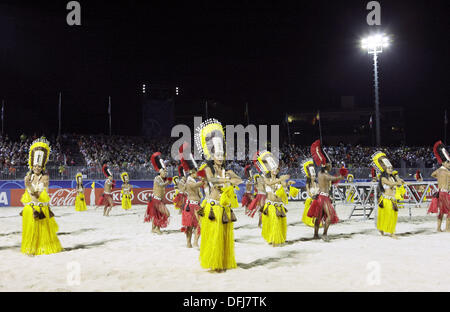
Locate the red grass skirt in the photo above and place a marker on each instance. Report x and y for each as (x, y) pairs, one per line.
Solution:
(188, 218)
(180, 200)
(256, 203)
(156, 213)
(104, 199)
(317, 210)
(440, 205)
(246, 199)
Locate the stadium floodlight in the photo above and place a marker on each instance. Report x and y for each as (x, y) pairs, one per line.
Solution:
(374, 45)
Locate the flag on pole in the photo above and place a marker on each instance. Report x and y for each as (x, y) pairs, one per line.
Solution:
(370, 122)
(316, 118)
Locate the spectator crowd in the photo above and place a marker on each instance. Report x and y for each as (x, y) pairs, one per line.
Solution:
(132, 154)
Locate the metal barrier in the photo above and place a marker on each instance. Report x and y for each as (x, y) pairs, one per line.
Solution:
(363, 196)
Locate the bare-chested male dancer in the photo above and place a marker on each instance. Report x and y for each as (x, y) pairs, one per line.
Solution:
(441, 201)
(157, 212)
(324, 210)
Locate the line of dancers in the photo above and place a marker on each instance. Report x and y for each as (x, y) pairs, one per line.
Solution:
(206, 197)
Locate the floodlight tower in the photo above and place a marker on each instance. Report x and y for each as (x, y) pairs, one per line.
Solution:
(374, 45)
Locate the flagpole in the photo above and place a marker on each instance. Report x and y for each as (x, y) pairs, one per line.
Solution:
(59, 115)
(3, 115)
(287, 124)
(320, 127)
(109, 112)
(246, 112)
(206, 109)
(371, 130)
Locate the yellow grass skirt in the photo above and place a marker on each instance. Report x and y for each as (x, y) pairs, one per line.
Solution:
(80, 202)
(305, 219)
(38, 235)
(274, 228)
(387, 216)
(126, 201)
(217, 242)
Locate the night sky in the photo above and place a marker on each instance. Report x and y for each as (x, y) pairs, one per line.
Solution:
(278, 56)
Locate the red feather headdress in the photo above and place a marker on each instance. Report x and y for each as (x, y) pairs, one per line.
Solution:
(247, 171)
(187, 162)
(318, 154)
(157, 161)
(255, 161)
(106, 171)
(343, 171)
(440, 152)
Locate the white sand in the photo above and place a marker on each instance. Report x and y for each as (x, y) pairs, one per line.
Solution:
(119, 253)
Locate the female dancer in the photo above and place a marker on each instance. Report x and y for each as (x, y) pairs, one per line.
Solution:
(350, 193)
(387, 204)
(274, 225)
(39, 227)
(217, 243)
(80, 202)
(127, 191)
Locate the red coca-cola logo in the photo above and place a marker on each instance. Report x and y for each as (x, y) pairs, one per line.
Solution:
(63, 197)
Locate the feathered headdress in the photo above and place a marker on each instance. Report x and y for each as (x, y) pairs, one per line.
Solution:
(157, 161)
(210, 139)
(248, 171)
(79, 177)
(106, 171)
(123, 175)
(308, 168)
(350, 176)
(343, 171)
(187, 160)
(318, 154)
(380, 161)
(256, 176)
(265, 161)
(440, 152)
(39, 153)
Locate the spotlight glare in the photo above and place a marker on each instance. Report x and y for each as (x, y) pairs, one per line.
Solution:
(375, 43)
